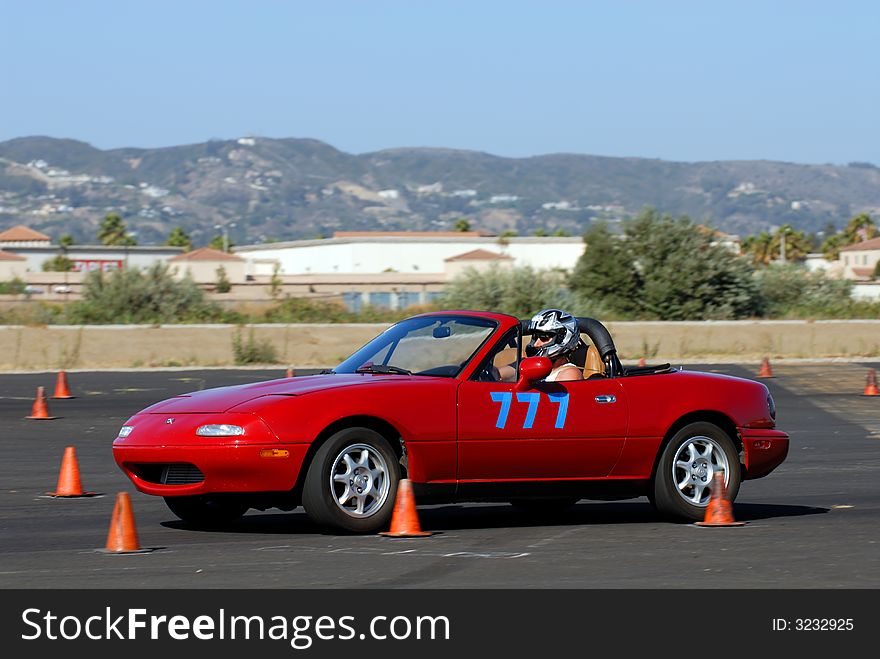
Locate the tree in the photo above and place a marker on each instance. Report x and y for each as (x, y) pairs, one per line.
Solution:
(65, 241)
(859, 229)
(59, 263)
(797, 245)
(606, 270)
(461, 224)
(766, 247)
(759, 248)
(179, 238)
(665, 268)
(275, 283)
(831, 247)
(223, 283)
(220, 242)
(113, 231)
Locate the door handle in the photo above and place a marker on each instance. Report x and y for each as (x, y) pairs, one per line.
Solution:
(606, 398)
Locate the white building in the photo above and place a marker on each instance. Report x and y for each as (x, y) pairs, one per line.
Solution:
(374, 252)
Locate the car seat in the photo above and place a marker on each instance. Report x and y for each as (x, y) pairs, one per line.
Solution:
(593, 364)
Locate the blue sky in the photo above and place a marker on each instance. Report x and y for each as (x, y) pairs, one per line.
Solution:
(712, 80)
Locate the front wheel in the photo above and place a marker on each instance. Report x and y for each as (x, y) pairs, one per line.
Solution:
(206, 510)
(352, 481)
(683, 479)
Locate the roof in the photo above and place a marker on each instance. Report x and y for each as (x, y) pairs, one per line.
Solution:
(9, 256)
(409, 234)
(22, 233)
(205, 254)
(479, 255)
(874, 243)
(868, 273)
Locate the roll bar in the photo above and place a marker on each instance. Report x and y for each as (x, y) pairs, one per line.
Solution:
(601, 339)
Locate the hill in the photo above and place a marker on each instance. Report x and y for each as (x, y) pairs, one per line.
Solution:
(280, 189)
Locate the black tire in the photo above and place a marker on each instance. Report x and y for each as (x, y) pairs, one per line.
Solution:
(679, 503)
(324, 498)
(544, 506)
(207, 510)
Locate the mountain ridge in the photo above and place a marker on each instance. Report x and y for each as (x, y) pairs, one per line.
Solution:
(288, 188)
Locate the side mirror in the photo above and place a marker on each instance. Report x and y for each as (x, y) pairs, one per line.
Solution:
(532, 369)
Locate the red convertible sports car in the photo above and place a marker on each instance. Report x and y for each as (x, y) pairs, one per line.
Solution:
(425, 400)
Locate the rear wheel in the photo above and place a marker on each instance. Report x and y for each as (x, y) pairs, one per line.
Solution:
(206, 510)
(681, 487)
(352, 481)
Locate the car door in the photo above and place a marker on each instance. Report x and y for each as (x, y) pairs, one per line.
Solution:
(552, 430)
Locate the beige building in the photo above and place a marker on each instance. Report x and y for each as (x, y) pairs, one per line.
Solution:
(12, 266)
(202, 266)
(478, 259)
(22, 236)
(859, 260)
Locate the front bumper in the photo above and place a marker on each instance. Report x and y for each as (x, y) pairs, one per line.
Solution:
(764, 449)
(222, 468)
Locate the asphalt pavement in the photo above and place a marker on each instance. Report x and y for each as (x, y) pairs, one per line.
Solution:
(813, 523)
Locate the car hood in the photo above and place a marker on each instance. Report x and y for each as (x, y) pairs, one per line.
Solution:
(223, 399)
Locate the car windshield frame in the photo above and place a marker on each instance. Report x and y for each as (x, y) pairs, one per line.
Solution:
(382, 347)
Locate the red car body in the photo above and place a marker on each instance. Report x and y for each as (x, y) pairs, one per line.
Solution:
(448, 431)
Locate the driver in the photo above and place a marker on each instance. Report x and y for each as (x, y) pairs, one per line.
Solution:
(555, 335)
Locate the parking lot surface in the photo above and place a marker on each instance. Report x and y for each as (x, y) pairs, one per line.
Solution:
(813, 523)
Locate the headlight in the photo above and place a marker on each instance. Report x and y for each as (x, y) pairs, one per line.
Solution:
(772, 405)
(219, 430)
(125, 431)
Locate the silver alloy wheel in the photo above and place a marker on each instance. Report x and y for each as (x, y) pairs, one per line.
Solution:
(696, 462)
(359, 480)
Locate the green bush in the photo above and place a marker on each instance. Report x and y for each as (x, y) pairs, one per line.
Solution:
(13, 287)
(790, 291)
(223, 283)
(134, 296)
(519, 291)
(251, 350)
(58, 263)
(35, 313)
(305, 310)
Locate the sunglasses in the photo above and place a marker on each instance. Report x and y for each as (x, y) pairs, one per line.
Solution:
(544, 336)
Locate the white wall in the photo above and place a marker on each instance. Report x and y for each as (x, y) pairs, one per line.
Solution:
(409, 255)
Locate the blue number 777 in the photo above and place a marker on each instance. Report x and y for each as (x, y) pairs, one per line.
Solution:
(533, 399)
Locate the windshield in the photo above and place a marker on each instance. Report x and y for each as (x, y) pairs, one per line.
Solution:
(428, 345)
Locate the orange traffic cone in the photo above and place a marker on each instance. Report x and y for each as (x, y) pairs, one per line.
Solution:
(719, 512)
(766, 371)
(61, 390)
(69, 483)
(404, 519)
(123, 538)
(40, 409)
(642, 362)
(289, 373)
(871, 385)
